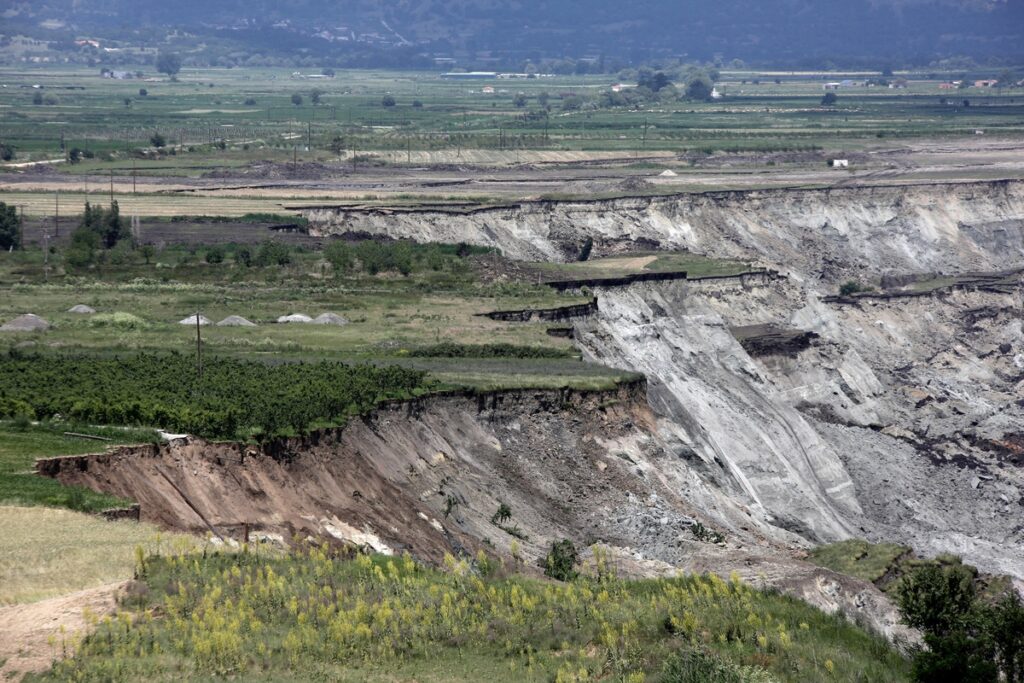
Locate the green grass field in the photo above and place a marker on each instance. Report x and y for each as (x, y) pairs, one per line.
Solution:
(249, 113)
(21, 444)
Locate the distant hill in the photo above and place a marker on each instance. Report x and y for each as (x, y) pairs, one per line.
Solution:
(480, 31)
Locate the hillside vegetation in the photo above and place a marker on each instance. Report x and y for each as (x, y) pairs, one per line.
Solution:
(316, 615)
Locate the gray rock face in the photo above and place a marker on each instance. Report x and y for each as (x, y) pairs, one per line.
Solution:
(901, 422)
(191, 320)
(82, 309)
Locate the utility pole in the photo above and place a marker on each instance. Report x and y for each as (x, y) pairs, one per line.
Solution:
(199, 348)
(56, 213)
(133, 175)
(46, 254)
(309, 136)
(111, 187)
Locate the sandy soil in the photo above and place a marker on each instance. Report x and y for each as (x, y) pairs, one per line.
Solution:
(26, 630)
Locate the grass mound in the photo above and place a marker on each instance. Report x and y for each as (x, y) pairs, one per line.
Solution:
(118, 320)
(313, 615)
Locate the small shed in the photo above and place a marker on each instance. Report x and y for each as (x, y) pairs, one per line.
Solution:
(840, 163)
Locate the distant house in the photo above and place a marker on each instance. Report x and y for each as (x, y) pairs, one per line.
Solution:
(117, 75)
(487, 90)
(840, 163)
(617, 87)
(947, 86)
(989, 83)
(831, 86)
(900, 83)
(715, 95)
(88, 42)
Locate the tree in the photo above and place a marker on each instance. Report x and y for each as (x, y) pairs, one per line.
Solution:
(37, 99)
(699, 86)
(519, 100)
(967, 638)
(148, 252)
(655, 80)
(340, 256)
(6, 152)
(387, 101)
(143, 92)
(329, 72)
(315, 96)
(416, 104)
(297, 100)
(168, 63)
(10, 227)
(829, 100)
(157, 140)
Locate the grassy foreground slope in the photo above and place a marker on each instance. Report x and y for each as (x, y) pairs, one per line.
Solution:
(45, 553)
(316, 616)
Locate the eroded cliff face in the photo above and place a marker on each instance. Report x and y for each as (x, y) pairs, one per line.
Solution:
(816, 234)
(899, 420)
(427, 477)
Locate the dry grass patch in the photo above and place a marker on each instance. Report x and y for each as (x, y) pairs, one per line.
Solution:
(46, 552)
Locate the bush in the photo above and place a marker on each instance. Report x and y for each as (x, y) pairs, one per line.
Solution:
(157, 140)
(561, 562)
(967, 638)
(387, 101)
(272, 254)
(215, 254)
(698, 666)
(243, 256)
(850, 287)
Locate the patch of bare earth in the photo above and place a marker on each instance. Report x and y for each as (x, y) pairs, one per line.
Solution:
(32, 635)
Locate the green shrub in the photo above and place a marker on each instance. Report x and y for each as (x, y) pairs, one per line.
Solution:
(697, 666)
(215, 254)
(561, 561)
(850, 287)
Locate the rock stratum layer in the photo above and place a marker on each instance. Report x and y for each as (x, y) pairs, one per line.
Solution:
(818, 233)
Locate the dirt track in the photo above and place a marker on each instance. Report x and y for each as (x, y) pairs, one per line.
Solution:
(26, 630)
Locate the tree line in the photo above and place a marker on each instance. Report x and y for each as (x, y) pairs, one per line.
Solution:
(230, 399)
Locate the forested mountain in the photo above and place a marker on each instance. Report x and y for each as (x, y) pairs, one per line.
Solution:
(780, 31)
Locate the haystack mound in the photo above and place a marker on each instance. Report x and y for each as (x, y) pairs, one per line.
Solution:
(25, 323)
(668, 173)
(235, 321)
(295, 318)
(82, 309)
(329, 319)
(191, 320)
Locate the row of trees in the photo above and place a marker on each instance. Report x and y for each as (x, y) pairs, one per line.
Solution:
(229, 400)
(99, 229)
(10, 227)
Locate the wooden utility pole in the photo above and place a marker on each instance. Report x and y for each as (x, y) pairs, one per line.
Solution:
(134, 169)
(111, 187)
(199, 348)
(56, 213)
